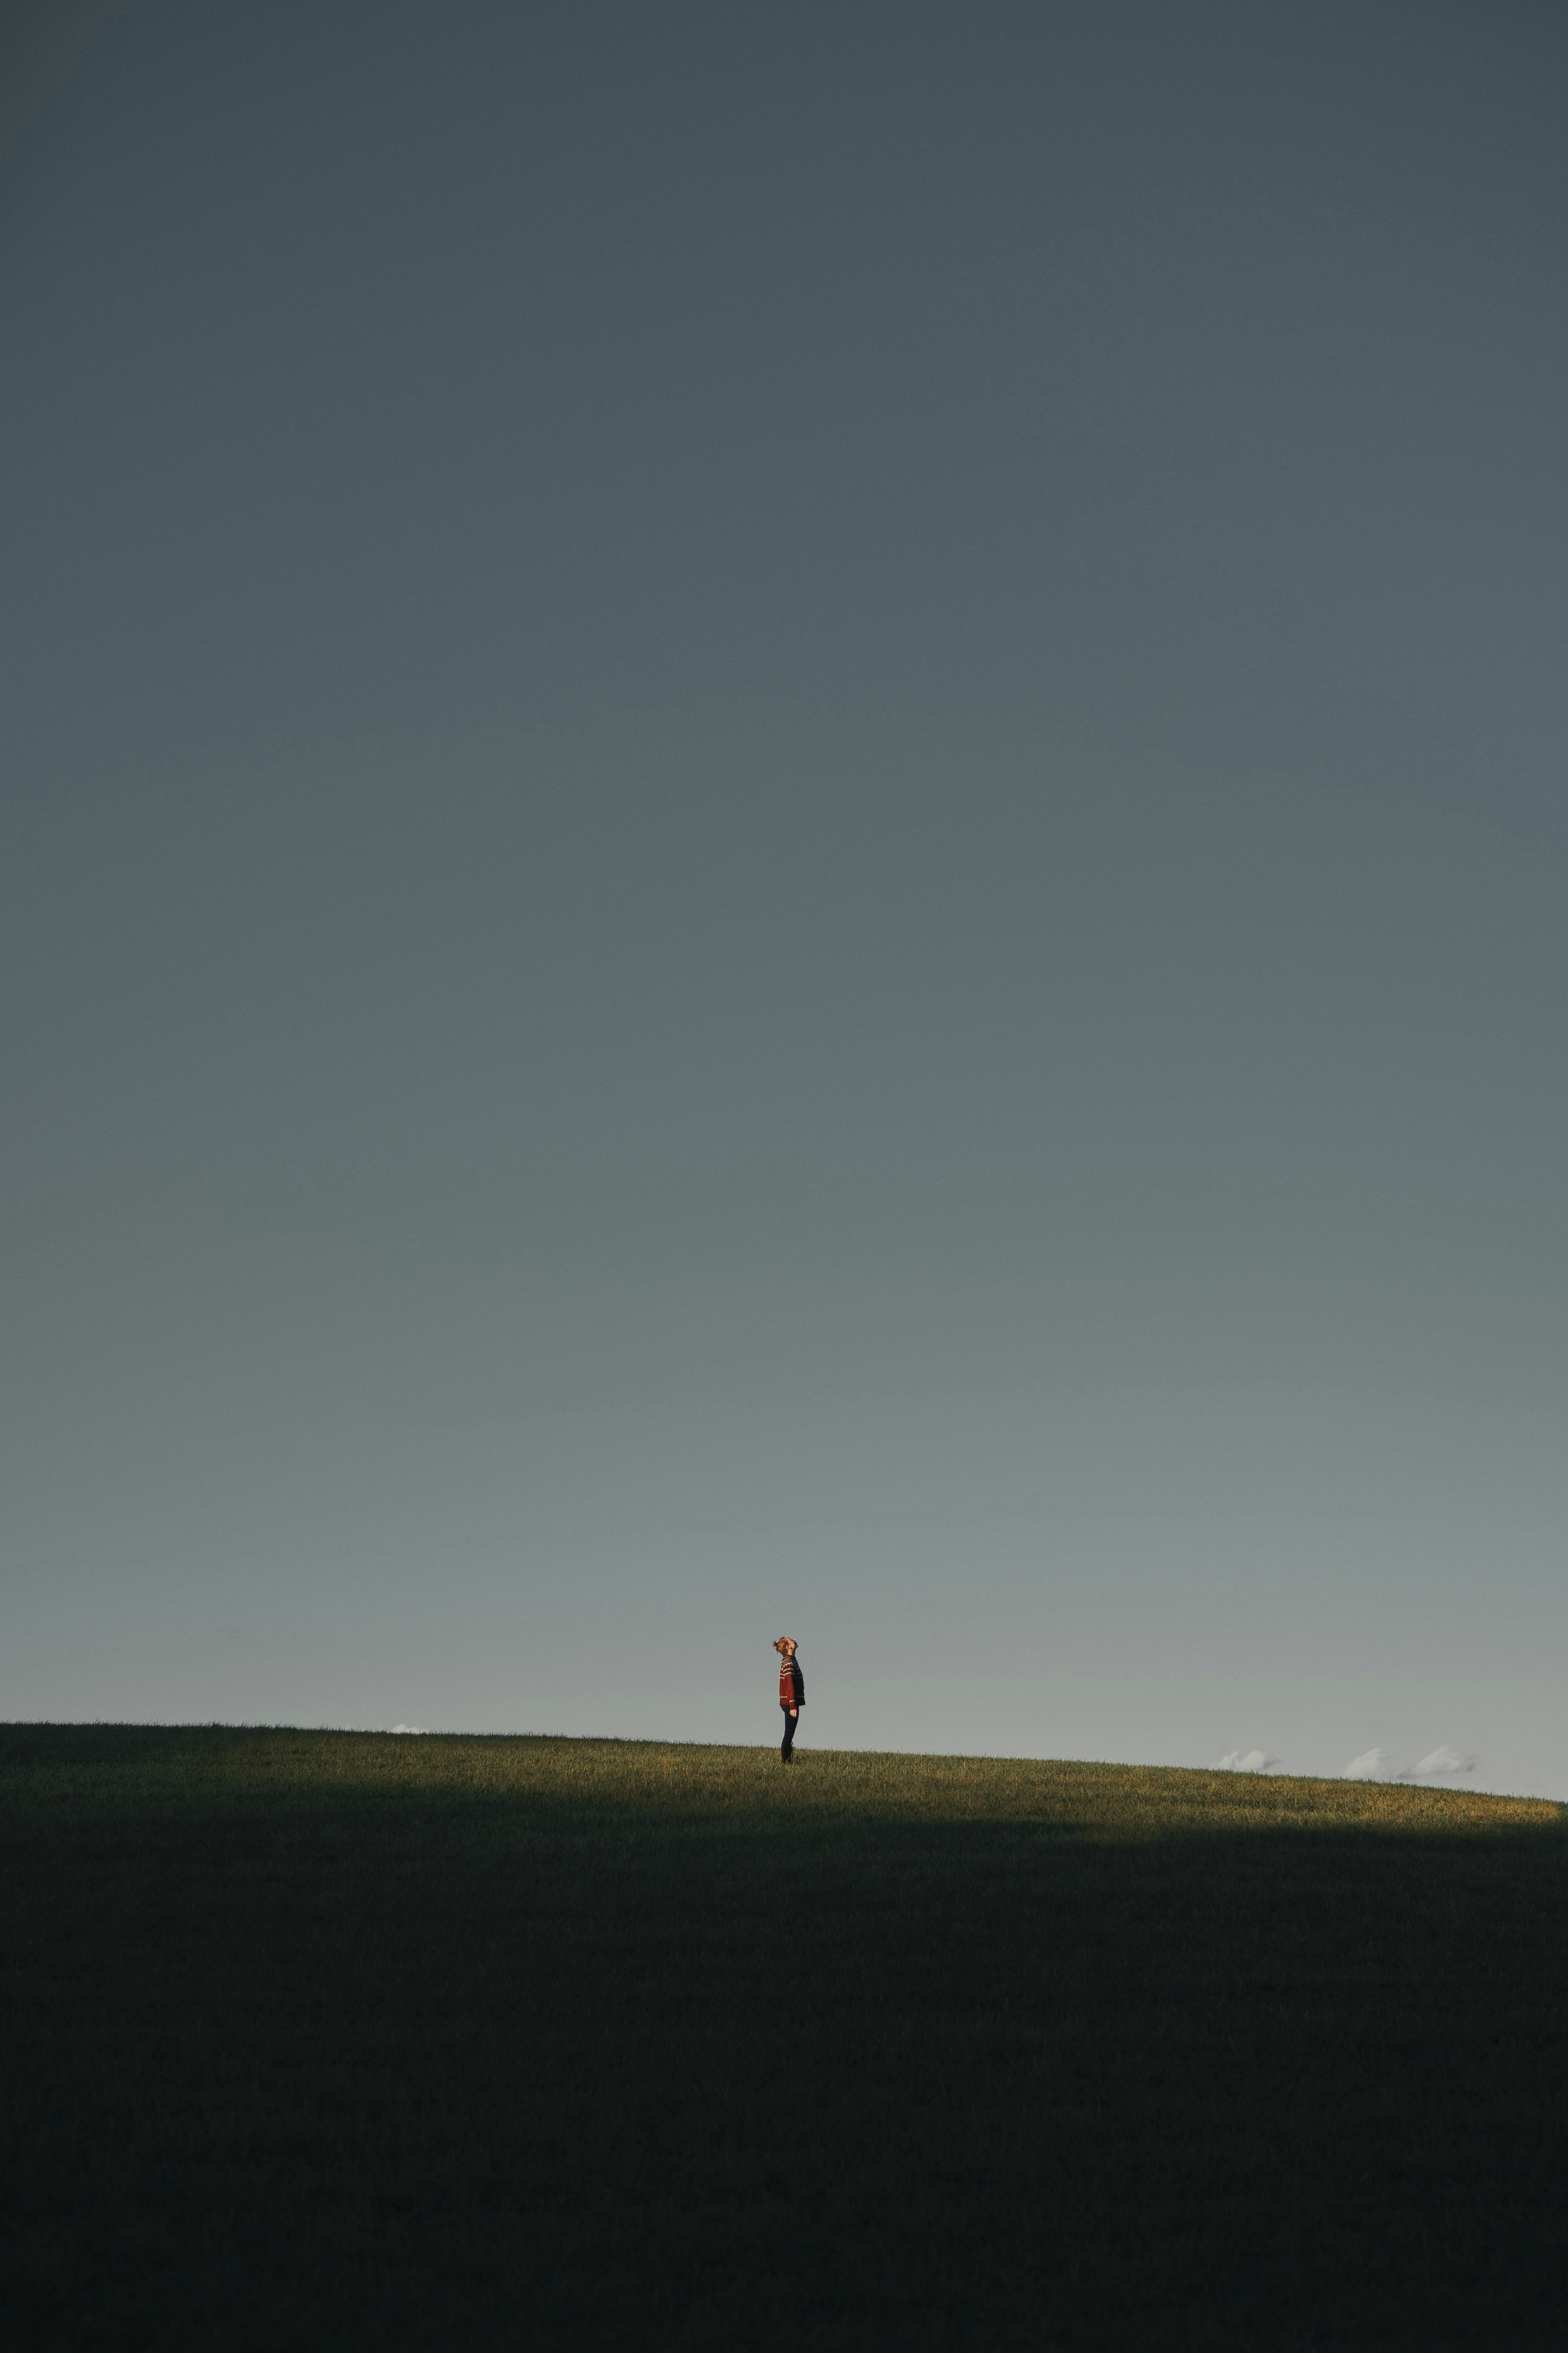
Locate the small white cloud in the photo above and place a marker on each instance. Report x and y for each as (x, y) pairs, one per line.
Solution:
(1377, 1764)
(408, 1728)
(1251, 1760)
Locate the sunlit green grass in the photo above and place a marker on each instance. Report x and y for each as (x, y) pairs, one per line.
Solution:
(94, 1766)
(320, 2038)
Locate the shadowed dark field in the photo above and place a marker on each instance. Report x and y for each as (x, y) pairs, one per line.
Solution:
(347, 2039)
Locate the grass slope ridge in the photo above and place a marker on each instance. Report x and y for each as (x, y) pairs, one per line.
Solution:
(330, 2036)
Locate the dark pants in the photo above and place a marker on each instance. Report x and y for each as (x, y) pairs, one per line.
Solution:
(788, 1741)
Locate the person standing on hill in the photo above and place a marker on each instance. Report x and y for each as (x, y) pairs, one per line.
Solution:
(792, 1694)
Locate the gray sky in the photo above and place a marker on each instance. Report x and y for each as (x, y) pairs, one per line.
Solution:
(783, 837)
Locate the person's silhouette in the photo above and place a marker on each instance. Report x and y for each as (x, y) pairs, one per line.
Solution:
(792, 1694)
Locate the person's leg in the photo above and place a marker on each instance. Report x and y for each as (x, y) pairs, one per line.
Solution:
(788, 1742)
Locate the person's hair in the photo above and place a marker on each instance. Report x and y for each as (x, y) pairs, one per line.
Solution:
(781, 1640)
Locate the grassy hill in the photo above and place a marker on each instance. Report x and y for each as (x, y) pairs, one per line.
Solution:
(331, 2039)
